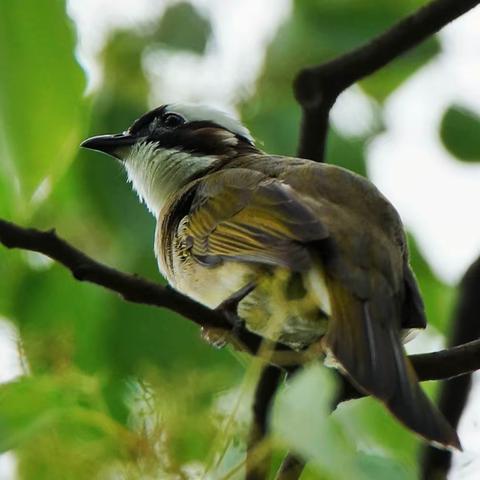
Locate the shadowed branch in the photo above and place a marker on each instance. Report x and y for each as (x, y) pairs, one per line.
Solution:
(258, 452)
(317, 88)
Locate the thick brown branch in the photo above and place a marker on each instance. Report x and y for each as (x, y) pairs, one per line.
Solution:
(317, 88)
(440, 365)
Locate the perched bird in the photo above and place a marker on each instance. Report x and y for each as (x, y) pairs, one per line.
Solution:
(315, 254)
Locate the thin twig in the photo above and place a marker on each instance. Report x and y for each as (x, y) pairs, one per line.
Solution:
(317, 88)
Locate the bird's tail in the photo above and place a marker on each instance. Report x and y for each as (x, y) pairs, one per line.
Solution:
(364, 338)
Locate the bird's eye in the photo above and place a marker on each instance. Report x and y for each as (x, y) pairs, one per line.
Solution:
(172, 120)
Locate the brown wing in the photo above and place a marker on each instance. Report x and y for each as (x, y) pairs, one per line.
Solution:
(372, 289)
(243, 215)
(364, 339)
(373, 294)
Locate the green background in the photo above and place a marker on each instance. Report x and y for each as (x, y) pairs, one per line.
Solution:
(120, 389)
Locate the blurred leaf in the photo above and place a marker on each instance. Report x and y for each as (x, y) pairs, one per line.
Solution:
(460, 133)
(319, 437)
(31, 405)
(8, 195)
(67, 329)
(179, 408)
(124, 82)
(310, 391)
(372, 427)
(42, 112)
(275, 124)
(183, 28)
(347, 152)
(319, 30)
(139, 335)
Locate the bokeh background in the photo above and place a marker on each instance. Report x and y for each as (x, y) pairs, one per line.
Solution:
(93, 387)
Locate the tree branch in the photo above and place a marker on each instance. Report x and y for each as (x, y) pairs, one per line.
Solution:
(439, 365)
(317, 88)
(131, 287)
(454, 394)
(442, 365)
(258, 454)
(291, 468)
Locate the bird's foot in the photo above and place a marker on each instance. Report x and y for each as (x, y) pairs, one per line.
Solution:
(217, 337)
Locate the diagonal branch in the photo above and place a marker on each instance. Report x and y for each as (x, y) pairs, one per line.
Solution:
(439, 365)
(131, 287)
(317, 88)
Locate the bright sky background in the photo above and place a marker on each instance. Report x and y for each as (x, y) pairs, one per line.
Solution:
(437, 196)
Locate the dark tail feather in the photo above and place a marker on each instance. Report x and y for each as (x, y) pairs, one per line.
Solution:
(364, 339)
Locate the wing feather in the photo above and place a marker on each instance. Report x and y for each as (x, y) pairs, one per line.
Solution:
(244, 215)
(364, 339)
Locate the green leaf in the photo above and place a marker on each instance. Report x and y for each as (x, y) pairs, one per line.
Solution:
(346, 152)
(42, 111)
(183, 28)
(319, 30)
(302, 422)
(7, 194)
(31, 405)
(460, 133)
(310, 391)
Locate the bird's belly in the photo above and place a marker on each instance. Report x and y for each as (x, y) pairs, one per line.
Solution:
(211, 286)
(284, 306)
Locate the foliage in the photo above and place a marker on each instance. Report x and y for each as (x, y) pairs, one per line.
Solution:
(40, 84)
(120, 390)
(459, 123)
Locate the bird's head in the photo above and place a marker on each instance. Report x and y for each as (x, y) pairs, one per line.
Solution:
(171, 145)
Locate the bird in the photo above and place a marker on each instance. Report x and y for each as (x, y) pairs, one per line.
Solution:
(311, 253)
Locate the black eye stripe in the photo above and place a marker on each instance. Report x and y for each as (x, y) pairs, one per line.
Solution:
(172, 120)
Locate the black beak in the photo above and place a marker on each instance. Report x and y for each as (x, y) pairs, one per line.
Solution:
(109, 144)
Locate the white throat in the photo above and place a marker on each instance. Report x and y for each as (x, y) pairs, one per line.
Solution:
(157, 173)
